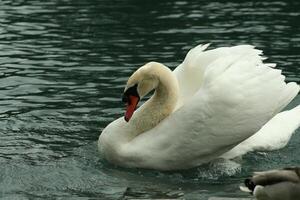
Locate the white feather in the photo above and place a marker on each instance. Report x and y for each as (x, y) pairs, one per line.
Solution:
(226, 95)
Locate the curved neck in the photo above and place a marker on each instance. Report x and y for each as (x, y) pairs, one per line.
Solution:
(160, 105)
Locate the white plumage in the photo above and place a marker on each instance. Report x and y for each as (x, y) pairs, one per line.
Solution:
(225, 96)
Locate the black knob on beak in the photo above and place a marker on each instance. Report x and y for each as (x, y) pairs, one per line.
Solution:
(132, 91)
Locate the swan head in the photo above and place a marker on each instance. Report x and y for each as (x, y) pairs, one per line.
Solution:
(131, 98)
(140, 83)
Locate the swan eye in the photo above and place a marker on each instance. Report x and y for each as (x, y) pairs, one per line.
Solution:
(131, 91)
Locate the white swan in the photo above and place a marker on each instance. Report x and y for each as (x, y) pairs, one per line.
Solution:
(209, 104)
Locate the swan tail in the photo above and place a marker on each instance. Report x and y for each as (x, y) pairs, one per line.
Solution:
(290, 92)
(273, 135)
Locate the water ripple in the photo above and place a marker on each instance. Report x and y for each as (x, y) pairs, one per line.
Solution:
(63, 66)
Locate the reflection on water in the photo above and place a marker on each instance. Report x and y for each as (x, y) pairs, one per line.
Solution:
(63, 65)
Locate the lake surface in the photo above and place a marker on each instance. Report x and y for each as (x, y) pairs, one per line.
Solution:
(63, 66)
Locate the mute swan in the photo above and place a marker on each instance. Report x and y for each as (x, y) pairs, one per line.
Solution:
(275, 184)
(209, 104)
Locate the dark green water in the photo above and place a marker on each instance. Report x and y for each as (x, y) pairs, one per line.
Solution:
(63, 66)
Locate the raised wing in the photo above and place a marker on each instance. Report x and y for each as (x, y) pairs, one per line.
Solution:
(190, 73)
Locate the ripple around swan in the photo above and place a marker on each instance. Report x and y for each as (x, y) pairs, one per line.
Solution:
(63, 66)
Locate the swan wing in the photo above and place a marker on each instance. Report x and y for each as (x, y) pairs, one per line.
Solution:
(190, 73)
(237, 95)
(275, 134)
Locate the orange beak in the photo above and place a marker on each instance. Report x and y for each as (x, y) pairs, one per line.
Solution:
(131, 105)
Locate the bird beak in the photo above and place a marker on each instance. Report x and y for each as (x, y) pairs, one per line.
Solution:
(131, 104)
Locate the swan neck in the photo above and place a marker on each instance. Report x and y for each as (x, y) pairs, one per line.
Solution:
(160, 105)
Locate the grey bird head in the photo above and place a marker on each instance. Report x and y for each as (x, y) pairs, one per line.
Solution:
(283, 184)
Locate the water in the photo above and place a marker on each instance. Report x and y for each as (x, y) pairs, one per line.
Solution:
(63, 66)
